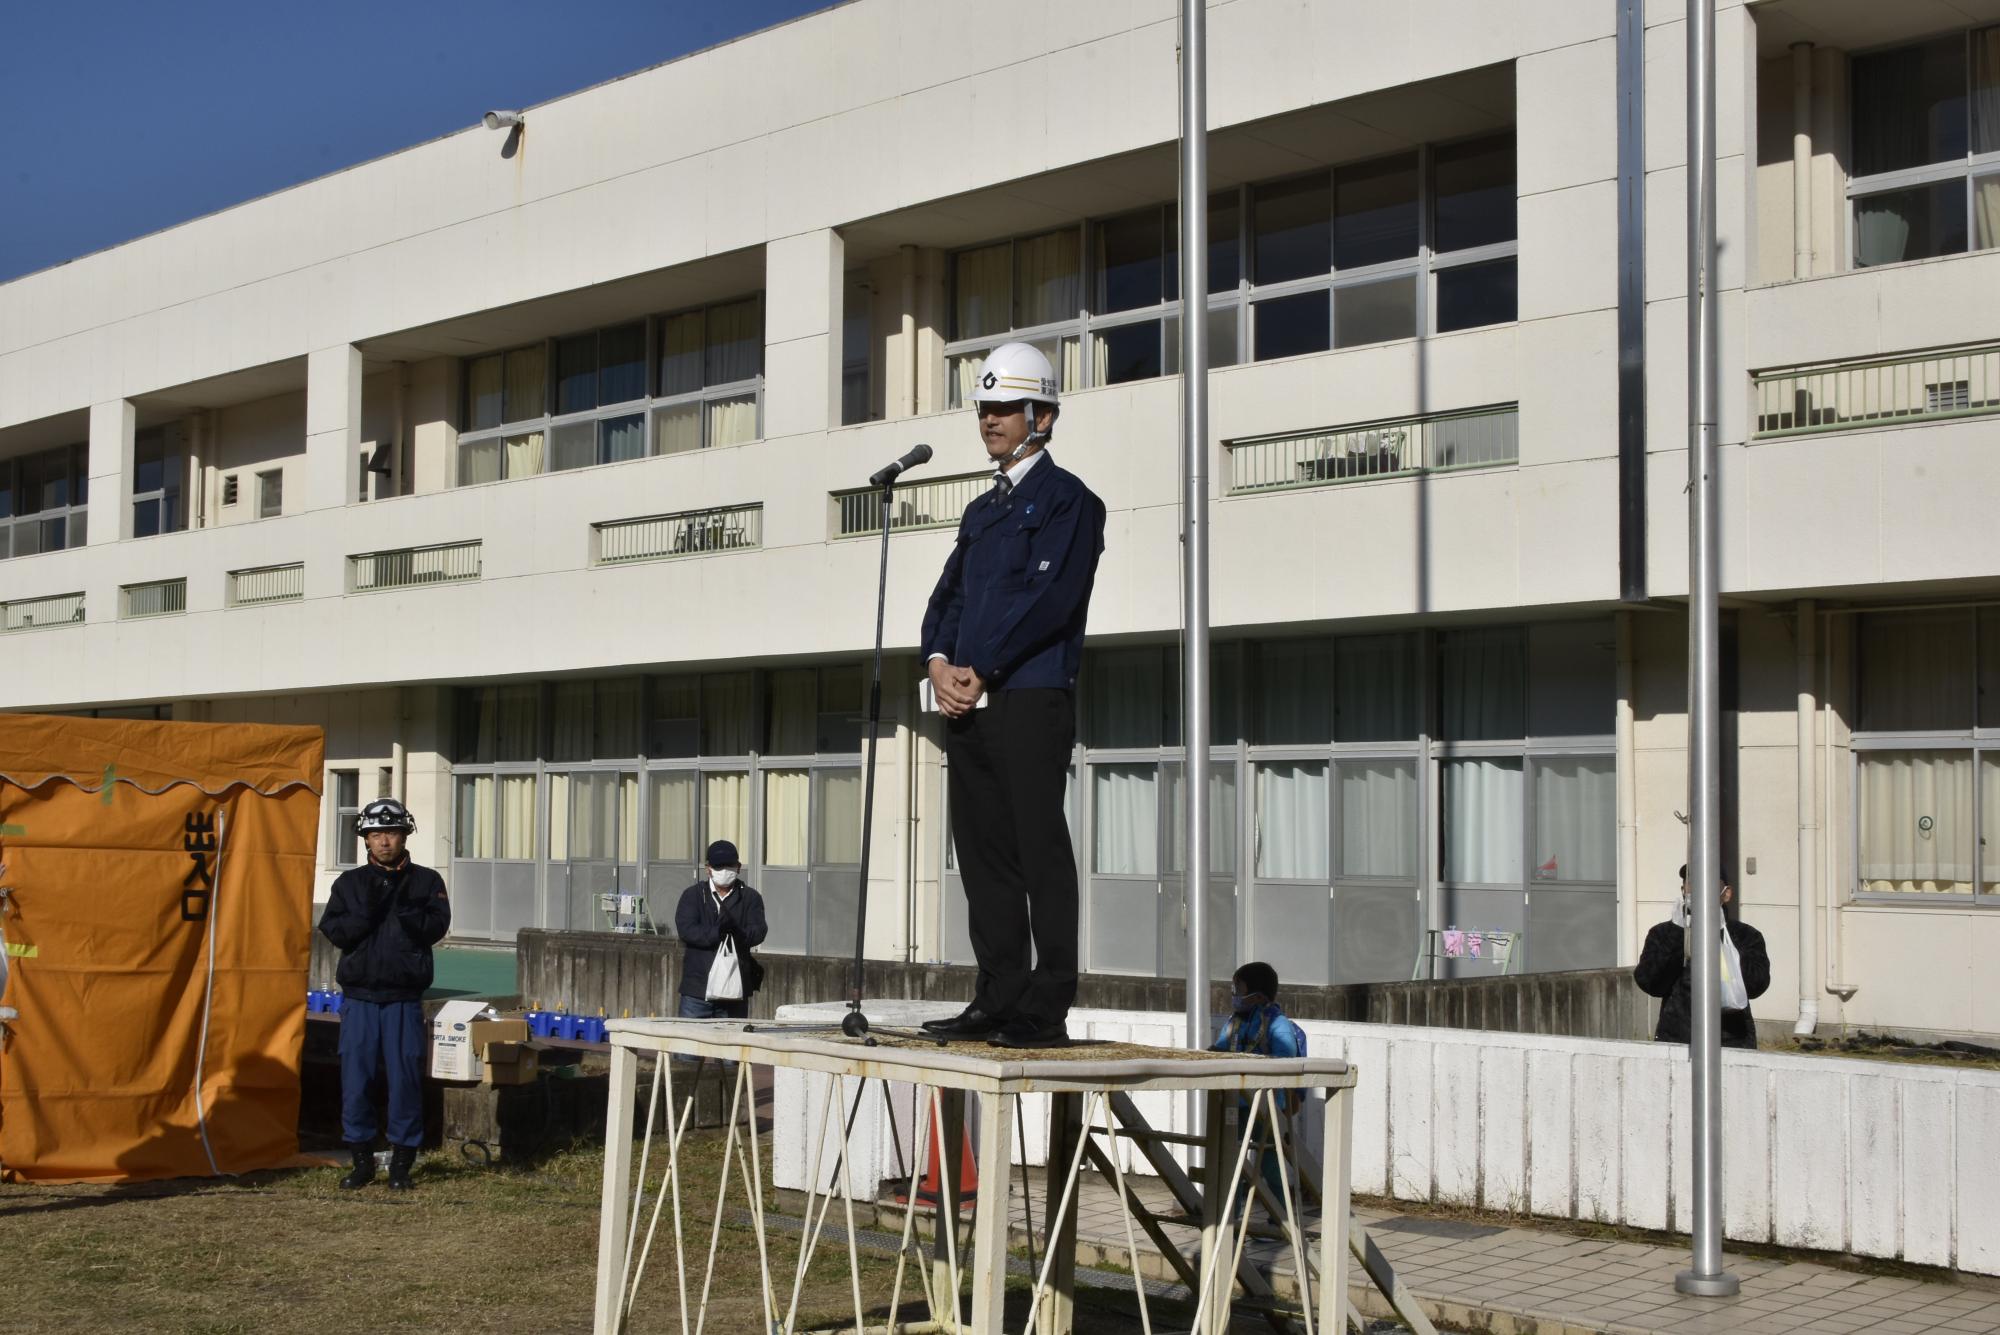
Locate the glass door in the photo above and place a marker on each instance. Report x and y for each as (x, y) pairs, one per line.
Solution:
(1222, 827)
(593, 842)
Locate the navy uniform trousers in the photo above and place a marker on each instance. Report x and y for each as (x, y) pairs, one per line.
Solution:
(1009, 762)
(376, 1037)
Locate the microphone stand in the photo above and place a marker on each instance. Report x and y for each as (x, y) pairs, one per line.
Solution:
(854, 1024)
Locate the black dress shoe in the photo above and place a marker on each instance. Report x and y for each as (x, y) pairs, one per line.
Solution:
(1027, 1032)
(971, 1022)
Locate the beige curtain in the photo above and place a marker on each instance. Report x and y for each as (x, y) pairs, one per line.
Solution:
(680, 353)
(526, 389)
(524, 455)
(839, 816)
(475, 816)
(673, 819)
(571, 738)
(628, 818)
(732, 421)
(479, 461)
(483, 394)
(559, 785)
(1986, 91)
(963, 376)
(616, 719)
(1986, 211)
(735, 342)
(725, 810)
(517, 817)
(1916, 822)
(725, 714)
(1048, 278)
(982, 307)
(677, 430)
(789, 697)
(786, 799)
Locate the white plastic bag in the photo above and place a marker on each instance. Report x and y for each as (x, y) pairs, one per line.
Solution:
(725, 973)
(1735, 996)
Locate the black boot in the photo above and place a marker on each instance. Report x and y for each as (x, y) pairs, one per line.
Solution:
(402, 1158)
(364, 1169)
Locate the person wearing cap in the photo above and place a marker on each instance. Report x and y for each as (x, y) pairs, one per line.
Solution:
(721, 907)
(385, 917)
(1002, 641)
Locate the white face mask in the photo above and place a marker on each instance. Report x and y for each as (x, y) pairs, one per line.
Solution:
(723, 876)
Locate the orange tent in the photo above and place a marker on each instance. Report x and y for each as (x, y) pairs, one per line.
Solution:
(157, 917)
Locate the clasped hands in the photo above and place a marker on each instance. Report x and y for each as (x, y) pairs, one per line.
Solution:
(958, 688)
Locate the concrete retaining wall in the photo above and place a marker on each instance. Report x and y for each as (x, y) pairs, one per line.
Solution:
(1887, 1160)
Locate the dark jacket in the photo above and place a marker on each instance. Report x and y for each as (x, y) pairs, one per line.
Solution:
(385, 922)
(701, 930)
(1015, 591)
(1663, 972)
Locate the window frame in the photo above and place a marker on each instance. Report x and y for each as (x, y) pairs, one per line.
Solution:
(1969, 169)
(341, 836)
(271, 487)
(647, 406)
(173, 453)
(74, 515)
(1240, 298)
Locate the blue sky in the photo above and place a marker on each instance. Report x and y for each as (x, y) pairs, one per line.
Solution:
(121, 117)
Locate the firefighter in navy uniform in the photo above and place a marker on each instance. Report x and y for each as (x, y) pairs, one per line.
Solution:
(1003, 638)
(385, 916)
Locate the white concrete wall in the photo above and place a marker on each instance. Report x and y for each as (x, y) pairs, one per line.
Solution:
(1871, 1158)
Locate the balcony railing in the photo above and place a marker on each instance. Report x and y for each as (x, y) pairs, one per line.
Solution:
(58, 609)
(1401, 448)
(267, 584)
(1885, 391)
(408, 567)
(932, 503)
(157, 599)
(655, 537)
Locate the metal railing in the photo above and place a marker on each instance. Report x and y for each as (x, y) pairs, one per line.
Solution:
(409, 567)
(654, 537)
(58, 609)
(267, 584)
(160, 598)
(932, 503)
(1849, 395)
(1479, 439)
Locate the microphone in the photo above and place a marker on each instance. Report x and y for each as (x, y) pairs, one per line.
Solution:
(920, 454)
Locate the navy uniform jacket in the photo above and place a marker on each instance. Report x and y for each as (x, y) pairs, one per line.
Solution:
(1015, 592)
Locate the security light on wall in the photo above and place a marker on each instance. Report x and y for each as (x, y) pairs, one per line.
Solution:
(501, 120)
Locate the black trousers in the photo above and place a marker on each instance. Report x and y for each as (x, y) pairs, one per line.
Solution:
(1008, 766)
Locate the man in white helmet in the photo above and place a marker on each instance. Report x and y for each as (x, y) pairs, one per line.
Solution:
(1003, 638)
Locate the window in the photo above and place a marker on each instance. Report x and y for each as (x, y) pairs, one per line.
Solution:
(343, 844)
(1388, 249)
(271, 494)
(1926, 134)
(1927, 754)
(157, 467)
(859, 400)
(42, 501)
(686, 381)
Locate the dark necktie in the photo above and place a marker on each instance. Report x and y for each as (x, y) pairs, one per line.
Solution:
(1002, 486)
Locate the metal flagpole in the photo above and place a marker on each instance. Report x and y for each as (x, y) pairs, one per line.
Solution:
(1194, 508)
(1706, 1278)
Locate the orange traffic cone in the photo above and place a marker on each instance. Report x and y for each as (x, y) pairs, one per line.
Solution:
(966, 1179)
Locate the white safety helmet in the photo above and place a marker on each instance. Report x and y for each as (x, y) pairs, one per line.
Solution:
(1013, 372)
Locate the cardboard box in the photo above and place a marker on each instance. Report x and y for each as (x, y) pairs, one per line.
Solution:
(511, 1064)
(486, 1032)
(452, 1054)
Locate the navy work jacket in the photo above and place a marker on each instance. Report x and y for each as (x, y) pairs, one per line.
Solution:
(1015, 591)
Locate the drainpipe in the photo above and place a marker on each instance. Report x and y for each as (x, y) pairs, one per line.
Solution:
(909, 330)
(1829, 864)
(1802, 259)
(1808, 776)
(1626, 747)
(197, 494)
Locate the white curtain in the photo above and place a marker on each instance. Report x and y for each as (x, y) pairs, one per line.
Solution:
(559, 786)
(964, 372)
(732, 421)
(483, 393)
(839, 816)
(1482, 821)
(479, 461)
(1125, 819)
(981, 292)
(1986, 92)
(505, 727)
(1125, 705)
(527, 380)
(677, 430)
(1378, 819)
(1292, 834)
(1576, 820)
(1375, 689)
(673, 818)
(1986, 211)
(725, 811)
(1221, 819)
(628, 818)
(1884, 233)
(475, 817)
(1048, 279)
(624, 438)
(1916, 671)
(1484, 687)
(1916, 821)
(517, 817)
(786, 799)
(524, 455)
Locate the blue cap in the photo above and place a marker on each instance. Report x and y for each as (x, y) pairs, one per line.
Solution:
(722, 853)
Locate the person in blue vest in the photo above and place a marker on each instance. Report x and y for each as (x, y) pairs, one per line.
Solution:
(385, 917)
(1002, 640)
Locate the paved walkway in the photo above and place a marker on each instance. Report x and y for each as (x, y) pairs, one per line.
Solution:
(1517, 1281)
